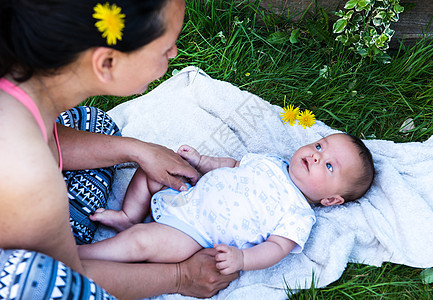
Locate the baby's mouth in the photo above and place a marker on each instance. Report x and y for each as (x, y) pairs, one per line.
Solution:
(305, 162)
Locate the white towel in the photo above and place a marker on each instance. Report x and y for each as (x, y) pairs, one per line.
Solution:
(392, 222)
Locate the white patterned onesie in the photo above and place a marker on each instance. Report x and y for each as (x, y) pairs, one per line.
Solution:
(240, 206)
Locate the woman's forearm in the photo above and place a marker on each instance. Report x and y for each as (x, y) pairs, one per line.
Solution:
(197, 276)
(133, 280)
(86, 150)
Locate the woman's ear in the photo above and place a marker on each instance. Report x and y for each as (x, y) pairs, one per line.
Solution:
(333, 200)
(103, 61)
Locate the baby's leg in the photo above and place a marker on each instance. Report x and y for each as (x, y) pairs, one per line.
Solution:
(152, 242)
(136, 204)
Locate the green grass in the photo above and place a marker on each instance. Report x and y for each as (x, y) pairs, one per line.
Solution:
(231, 42)
(237, 42)
(390, 281)
(362, 97)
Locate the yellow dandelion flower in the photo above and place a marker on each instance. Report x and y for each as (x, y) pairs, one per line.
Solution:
(111, 22)
(290, 114)
(306, 118)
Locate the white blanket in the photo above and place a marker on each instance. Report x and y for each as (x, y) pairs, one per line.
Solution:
(392, 222)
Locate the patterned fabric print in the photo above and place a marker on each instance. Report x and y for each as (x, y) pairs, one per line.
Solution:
(87, 189)
(34, 276)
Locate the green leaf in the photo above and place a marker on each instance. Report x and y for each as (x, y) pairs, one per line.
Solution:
(381, 15)
(383, 58)
(339, 13)
(354, 38)
(427, 276)
(373, 51)
(390, 15)
(324, 72)
(362, 52)
(294, 36)
(339, 25)
(363, 3)
(278, 38)
(389, 32)
(343, 39)
(398, 8)
(380, 42)
(357, 18)
(348, 15)
(372, 31)
(351, 4)
(377, 22)
(395, 18)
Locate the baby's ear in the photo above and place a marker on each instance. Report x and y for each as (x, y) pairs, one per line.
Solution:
(333, 200)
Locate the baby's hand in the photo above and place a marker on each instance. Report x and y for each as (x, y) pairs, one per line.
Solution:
(229, 259)
(190, 155)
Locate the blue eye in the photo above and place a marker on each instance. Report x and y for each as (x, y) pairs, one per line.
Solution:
(329, 166)
(318, 147)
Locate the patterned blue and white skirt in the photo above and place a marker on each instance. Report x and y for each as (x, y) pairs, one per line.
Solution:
(88, 190)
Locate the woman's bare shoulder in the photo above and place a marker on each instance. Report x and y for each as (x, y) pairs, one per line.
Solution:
(30, 180)
(22, 143)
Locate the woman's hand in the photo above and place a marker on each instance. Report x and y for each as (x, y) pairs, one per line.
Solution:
(199, 276)
(166, 166)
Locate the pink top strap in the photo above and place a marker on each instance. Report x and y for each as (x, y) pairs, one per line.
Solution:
(25, 99)
(28, 102)
(56, 137)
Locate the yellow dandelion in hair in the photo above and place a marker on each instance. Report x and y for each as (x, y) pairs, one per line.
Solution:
(111, 22)
(306, 118)
(290, 114)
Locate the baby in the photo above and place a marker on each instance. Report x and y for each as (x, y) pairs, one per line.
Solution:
(254, 211)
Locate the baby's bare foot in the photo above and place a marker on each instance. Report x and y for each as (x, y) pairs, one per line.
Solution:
(112, 218)
(190, 155)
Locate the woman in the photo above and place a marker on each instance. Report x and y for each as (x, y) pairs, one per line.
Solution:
(53, 55)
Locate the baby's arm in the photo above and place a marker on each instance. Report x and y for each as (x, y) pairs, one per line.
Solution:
(204, 163)
(231, 259)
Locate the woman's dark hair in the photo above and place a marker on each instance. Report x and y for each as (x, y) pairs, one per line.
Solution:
(41, 36)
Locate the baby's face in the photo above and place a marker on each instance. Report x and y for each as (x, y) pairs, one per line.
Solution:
(325, 168)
